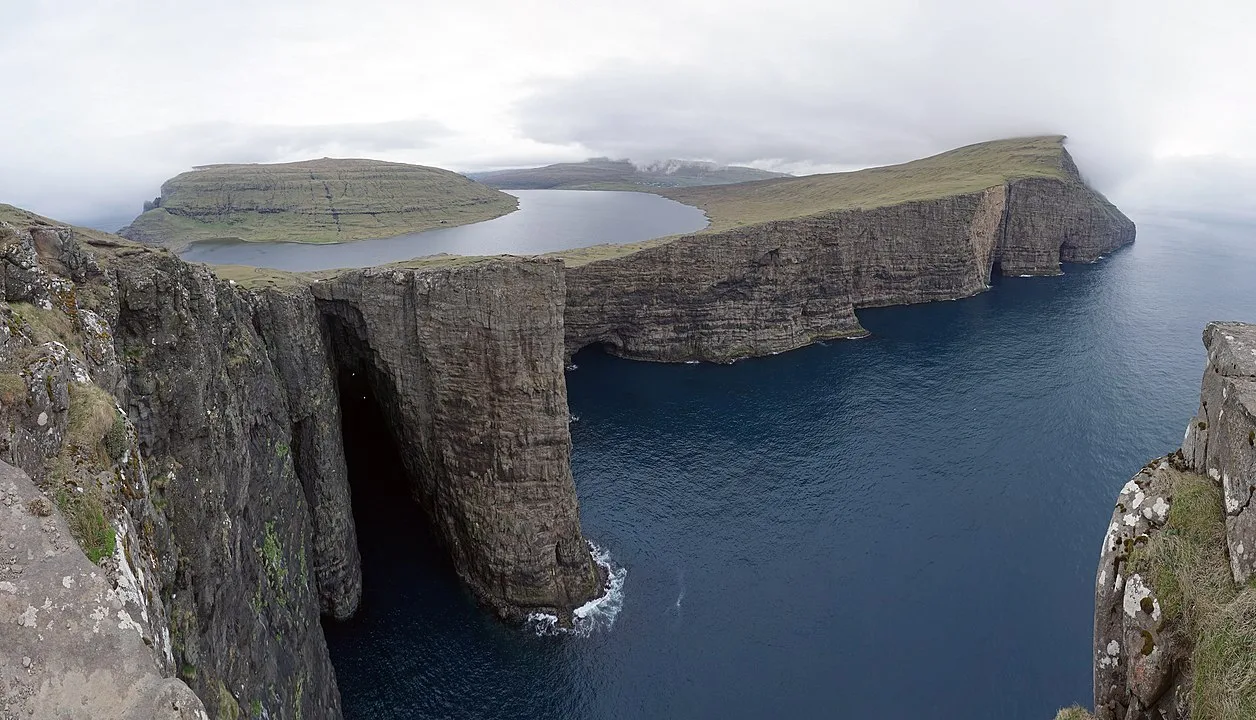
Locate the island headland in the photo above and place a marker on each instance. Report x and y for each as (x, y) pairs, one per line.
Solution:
(184, 422)
(313, 201)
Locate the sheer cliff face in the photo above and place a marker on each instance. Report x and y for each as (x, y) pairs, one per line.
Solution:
(1220, 442)
(1177, 560)
(784, 284)
(468, 364)
(213, 454)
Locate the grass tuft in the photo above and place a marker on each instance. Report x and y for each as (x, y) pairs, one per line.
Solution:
(85, 514)
(92, 416)
(1076, 712)
(1186, 561)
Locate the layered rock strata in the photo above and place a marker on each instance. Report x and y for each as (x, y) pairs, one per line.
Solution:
(782, 284)
(467, 362)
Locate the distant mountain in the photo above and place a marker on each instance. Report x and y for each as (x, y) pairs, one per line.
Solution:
(607, 174)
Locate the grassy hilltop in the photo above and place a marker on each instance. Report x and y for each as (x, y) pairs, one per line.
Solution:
(968, 169)
(963, 170)
(606, 174)
(314, 201)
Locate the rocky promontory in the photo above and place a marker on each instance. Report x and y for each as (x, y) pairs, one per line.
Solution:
(1175, 605)
(188, 428)
(787, 262)
(314, 201)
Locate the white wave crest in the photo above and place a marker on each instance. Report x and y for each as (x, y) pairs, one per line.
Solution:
(597, 614)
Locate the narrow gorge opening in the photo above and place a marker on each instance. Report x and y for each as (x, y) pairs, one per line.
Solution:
(390, 523)
(407, 575)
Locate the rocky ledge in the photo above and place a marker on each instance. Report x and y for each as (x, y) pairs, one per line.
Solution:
(1175, 607)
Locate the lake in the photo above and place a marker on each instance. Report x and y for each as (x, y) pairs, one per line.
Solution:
(546, 221)
(904, 526)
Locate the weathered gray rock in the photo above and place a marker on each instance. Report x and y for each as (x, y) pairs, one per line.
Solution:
(1138, 656)
(292, 329)
(1220, 441)
(214, 424)
(1142, 658)
(72, 644)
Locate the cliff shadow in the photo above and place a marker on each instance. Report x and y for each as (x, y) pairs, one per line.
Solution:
(393, 528)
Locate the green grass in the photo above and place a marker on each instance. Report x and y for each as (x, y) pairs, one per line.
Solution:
(968, 169)
(1186, 561)
(12, 388)
(1225, 663)
(316, 201)
(48, 326)
(24, 218)
(92, 416)
(1187, 565)
(85, 514)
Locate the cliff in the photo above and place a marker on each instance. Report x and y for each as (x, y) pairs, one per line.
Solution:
(189, 430)
(186, 426)
(317, 201)
(787, 262)
(1175, 606)
(606, 174)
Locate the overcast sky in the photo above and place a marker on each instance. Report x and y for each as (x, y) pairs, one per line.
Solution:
(104, 99)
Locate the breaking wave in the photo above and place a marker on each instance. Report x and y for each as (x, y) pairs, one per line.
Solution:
(597, 614)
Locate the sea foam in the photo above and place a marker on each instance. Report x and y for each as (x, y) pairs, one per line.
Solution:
(597, 614)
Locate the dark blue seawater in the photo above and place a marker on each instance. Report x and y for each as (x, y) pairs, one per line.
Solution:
(546, 221)
(905, 526)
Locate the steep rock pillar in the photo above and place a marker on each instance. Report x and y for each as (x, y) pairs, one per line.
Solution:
(466, 360)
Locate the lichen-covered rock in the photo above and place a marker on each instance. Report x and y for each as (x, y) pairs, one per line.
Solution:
(1220, 441)
(1138, 655)
(1178, 554)
(72, 644)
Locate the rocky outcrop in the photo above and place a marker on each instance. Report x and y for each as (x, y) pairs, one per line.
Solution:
(1220, 441)
(190, 430)
(72, 643)
(1173, 595)
(1139, 654)
(782, 284)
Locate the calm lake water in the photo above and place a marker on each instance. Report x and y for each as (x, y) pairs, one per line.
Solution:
(547, 220)
(905, 526)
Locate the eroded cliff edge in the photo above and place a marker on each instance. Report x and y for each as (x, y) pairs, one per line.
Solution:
(788, 262)
(188, 428)
(1175, 606)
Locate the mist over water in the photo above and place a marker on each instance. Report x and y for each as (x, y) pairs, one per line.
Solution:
(903, 526)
